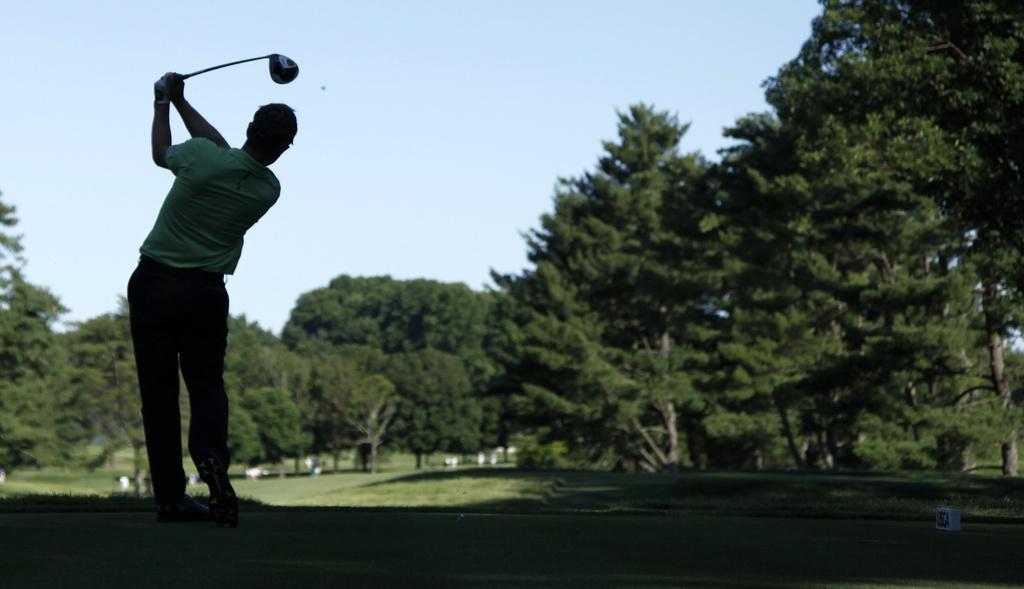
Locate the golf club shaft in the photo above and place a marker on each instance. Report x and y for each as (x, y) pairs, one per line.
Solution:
(217, 67)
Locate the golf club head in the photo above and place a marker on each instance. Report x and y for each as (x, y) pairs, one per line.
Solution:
(283, 69)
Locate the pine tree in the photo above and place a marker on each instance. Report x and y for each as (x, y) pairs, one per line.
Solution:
(33, 429)
(938, 74)
(615, 316)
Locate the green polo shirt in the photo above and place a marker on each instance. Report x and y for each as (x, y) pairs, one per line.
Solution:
(218, 194)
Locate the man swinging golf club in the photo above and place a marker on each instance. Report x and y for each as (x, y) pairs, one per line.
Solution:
(177, 301)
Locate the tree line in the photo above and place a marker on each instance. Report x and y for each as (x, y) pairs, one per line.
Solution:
(840, 289)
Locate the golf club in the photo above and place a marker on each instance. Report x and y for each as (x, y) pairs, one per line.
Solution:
(282, 68)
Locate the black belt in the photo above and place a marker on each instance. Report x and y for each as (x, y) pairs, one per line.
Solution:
(148, 263)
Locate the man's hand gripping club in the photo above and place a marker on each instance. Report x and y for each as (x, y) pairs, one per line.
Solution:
(170, 89)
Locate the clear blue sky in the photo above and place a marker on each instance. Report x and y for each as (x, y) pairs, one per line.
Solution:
(431, 134)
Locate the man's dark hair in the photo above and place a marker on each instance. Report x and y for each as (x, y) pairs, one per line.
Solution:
(273, 127)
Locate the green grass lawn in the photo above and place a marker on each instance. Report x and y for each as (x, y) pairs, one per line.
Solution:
(866, 496)
(60, 481)
(501, 527)
(479, 488)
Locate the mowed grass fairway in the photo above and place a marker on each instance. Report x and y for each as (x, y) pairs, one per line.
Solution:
(507, 528)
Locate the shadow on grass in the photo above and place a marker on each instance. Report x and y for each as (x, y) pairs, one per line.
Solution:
(848, 495)
(360, 548)
(905, 496)
(885, 496)
(581, 530)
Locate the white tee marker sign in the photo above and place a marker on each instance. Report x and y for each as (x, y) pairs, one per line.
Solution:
(947, 519)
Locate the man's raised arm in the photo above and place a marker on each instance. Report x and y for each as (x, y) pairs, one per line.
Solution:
(161, 133)
(195, 123)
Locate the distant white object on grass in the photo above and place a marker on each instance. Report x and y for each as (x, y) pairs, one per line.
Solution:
(947, 519)
(3, 475)
(124, 482)
(254, 473)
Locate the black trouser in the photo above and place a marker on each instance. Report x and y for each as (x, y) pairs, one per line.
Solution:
(179, 314)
